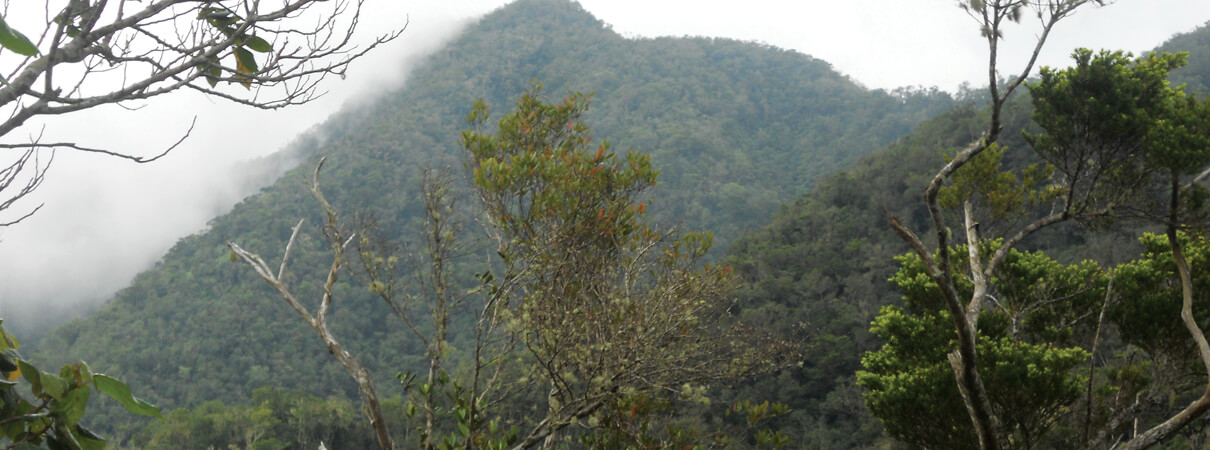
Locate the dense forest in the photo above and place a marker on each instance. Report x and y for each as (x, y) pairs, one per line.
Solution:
(735, 130)
(792, 166)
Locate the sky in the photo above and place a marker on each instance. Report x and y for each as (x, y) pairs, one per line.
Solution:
(105, 220)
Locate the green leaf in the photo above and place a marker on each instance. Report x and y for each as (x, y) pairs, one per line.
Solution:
(6, 363)
(257, 44)
(247, 62)
(73, 404)
(15, 41)
(211, 71)
(8, 341)
(89, 440)
(119, 391)
(30, 373)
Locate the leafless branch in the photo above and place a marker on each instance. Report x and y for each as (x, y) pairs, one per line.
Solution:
(319, 321)
(98, 53)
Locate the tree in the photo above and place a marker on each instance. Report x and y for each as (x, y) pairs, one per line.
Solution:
(1118, 142)
(278, 54)
(1030, 347)
(992, 17)
(607, 306)
(604, 308)
(339, 243)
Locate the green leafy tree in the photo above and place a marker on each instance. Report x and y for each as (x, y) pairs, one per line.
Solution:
(274, 419)
(606, 309)
(607, 306)
(1118, 141)
(1029, 372)
(1148, 140)
(993, 17)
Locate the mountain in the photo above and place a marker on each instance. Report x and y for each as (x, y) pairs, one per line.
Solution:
(1195, 76)
(737, 129)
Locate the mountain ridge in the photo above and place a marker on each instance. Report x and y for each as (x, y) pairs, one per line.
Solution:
(737, 129)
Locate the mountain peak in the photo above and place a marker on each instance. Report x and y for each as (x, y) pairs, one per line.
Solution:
(542, 15)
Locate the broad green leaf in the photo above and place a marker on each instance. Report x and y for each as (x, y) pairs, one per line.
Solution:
(88, 440)
(30, 373)
(257, 44)
(212, 72)
(73, 404)
(11, 430)
(6, 363)
(15, 41)
(53, 385)
(246, 62)
(212, 75)
(119, 391)
(8, 341)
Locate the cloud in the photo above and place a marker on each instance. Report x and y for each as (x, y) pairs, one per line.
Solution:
(105, 219)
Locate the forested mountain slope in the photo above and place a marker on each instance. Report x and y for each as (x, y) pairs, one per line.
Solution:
(1196, 76)
(825, 261)
(735, 128)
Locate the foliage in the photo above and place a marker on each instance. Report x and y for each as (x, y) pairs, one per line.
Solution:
(50, 414)
(274, 419)
(821, 264)
(1101, 119)
(1150, 315)
(1001, 193)
(1196, 76)
(608, 306)
(763, 122)
(1122, 143)
(1030, 379)
(737, 129)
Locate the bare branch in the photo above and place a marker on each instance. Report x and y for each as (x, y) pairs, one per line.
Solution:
(319, 322)
(280, 54)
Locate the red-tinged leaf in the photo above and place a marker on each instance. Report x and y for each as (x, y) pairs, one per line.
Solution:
(600, 153)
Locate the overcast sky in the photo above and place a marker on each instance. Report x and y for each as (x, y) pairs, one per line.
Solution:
(106, 219)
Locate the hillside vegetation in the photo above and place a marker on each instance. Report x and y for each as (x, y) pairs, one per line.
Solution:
(792, 165)
(735, 129)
